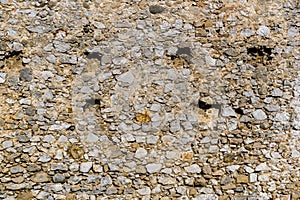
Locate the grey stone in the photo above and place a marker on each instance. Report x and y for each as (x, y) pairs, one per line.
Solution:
(262, 167)
(187, 125)
(68, 59)
(263, 31)
(259, 115)
(247, 32)
(295, 153)
(51, 59)
(127, 77)
(152, 139)
(7, 144)
(175, 126)
(16, 46)
(276, 92)
(48, 47)
(59, 178)
(153, 167)
(48, 95)
(74, 167)
(26, 74)
(194, 169)
(39, 29)
(144, 191)
(30, 111)
(232, 168)
(48, 138)
(164, 180)
(13, 186)
(140, 153)
(119, 61)
(264, 177)
(47, 74)
(59, 167)
(155, 107)
(282, 117)
(23, 138)
(16, 169)
(206, 197)
(99, 25)
(61, 47)
(92, 138)
(272, 107)
(44, 158)
(106, 180)
(156, 9)
(33, 168)
(40, 177)
(86, 167)
(62, 138)
(231, 52)
(111, 190)
(25, 101)
(228, 112)
(3, 77)
(293, 32)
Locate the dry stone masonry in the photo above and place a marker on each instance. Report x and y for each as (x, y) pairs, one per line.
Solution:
(136, 99)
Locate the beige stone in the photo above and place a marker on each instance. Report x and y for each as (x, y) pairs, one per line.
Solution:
(242, 179)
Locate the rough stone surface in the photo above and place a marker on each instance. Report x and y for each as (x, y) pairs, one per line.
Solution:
(149, 99)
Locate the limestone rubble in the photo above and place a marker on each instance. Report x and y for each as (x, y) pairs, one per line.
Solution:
(135, 99)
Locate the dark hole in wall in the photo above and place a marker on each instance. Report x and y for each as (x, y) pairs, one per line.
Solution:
(260, 51)
(184, 50)
(203, 105)
(13, 54)
(88, 29)
(71, 128)
(93, 55)
(239, 111)
(93, 101)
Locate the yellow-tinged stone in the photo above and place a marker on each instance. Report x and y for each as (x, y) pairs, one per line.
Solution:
(187, 155)
(143, 117)
(27, 195)
(242, 179)
(75, 151)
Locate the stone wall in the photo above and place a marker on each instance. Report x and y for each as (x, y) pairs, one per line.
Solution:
(136, 99)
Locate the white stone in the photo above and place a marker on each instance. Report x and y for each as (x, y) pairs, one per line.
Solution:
(248, 169)
(293, 32)
(6, 144)
(140, 153)
(86, 166)
(262, 167)
(153, 167)
(233, 168)
(295, 153)
(92, 138)
(252, 177)
(119, 61)
(47, 74)
(259, 114)
(194, 168)
(144, 191)
(3, 77)
(127, 77)
(263, 31)
(228, 112)
(263, 177)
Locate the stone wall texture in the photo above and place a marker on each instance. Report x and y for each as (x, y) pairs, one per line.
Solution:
(138, 99)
